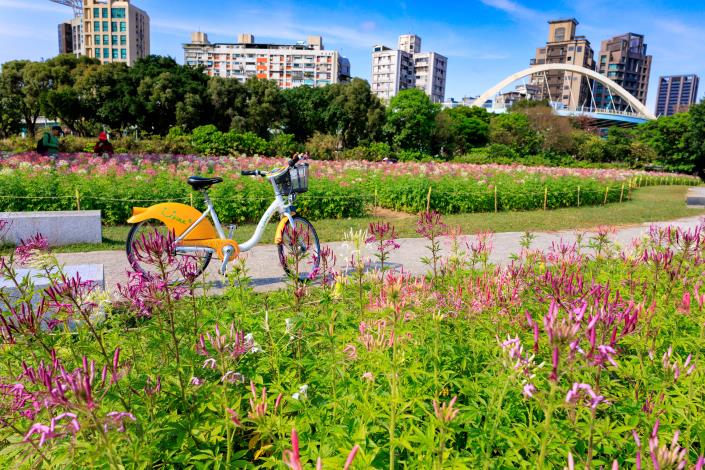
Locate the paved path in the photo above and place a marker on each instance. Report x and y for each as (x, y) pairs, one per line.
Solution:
(266, 272)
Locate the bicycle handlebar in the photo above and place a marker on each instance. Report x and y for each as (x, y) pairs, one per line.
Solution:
(291, 163)
(252, 173)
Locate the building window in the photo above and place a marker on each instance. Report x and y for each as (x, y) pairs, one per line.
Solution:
(106, 40)
(105, 12)
(580, 49)
(114, 40)
(97, 52)
(105, 26)
(96, 13)
(106, 53)
(113, 27)
(559, 34)
(115, 53)
(123, 26)
(96, 26)
(117, 12)
(123, 40)
(97, 40)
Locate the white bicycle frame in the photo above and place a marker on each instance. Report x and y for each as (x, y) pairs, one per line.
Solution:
(279, 205)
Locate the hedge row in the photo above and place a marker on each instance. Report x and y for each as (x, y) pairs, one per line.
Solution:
(245, 199)
(457, 196)
(238, 200)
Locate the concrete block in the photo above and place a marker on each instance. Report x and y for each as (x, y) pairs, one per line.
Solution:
(89, 273)
(58, 227)
(696, 197)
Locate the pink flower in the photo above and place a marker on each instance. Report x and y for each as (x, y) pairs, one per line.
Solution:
(445, 412)
(369, 376)
(529, 390)
(292, 458)
(28, 249)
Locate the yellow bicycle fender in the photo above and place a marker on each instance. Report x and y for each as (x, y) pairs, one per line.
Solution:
(280, 229)
(177, 217)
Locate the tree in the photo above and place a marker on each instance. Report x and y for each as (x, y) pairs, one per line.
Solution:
(668, 137)
(265, 107)
(228, 99)
(515, 131)
(161, 84)
(555, 132)
(410, 120)
(10, 115)
(306, 110)
(459, 129)
(29, 81)
(354, 113)
(113, 93)
(695, 137)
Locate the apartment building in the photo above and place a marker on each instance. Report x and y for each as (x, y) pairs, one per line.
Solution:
(564, 47)
(623, 59)
(408, 67)
(109, 30)
(676, 93)
(71, 36)
(290, 65)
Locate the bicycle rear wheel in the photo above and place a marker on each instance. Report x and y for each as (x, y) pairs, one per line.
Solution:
(135, 249)
(300, 249)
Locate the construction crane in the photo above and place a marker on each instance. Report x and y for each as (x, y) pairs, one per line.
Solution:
(76, 5)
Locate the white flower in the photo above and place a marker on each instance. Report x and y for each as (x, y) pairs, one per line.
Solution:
(303, 392)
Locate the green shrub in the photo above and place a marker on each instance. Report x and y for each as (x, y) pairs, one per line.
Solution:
(323, 146)
(283, 145)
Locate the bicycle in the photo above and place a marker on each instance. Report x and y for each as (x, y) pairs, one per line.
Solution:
(196, 237)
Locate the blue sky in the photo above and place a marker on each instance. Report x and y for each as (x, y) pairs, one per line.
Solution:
(485, 40)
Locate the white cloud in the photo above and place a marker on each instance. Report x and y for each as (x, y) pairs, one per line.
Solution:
(44, 6)
(512, 8)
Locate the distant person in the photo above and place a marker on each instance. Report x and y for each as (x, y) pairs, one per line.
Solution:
(103, 146)
(49, 143)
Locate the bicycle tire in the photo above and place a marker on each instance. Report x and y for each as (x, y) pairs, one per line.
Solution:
(135, 263)
(313, 242)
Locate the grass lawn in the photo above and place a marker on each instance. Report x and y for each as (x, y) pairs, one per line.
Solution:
(649, 204)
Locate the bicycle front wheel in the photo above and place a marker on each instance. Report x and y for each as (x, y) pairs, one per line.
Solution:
(135, 239)
(300, 249)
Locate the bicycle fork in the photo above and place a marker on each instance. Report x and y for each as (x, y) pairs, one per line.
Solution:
(228, 250)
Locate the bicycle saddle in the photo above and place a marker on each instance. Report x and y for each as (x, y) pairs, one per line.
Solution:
(199, 182)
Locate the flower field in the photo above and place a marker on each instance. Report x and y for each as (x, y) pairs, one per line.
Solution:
(338, 189)
(587, 355)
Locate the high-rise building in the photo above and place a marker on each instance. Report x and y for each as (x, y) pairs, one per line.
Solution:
(564, 47)
(623, 59)
(71, 36)
(65, 38)
(290, 65)
(407, 67)
(109, 30)
(676, 93)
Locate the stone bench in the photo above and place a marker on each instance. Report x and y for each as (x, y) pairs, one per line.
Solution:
(58, 227)
(88, 272)
(695, 197)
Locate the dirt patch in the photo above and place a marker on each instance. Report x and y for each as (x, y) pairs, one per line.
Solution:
(383, 213)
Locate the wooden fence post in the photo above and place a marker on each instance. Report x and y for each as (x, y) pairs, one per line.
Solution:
(190, 196)
(621, 195)
(607, 190)
(578, 196)
(428, 200)
(545, 197)
(495, 198)
(78, 200)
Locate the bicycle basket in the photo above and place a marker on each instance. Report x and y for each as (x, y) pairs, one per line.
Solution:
(293, 181)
